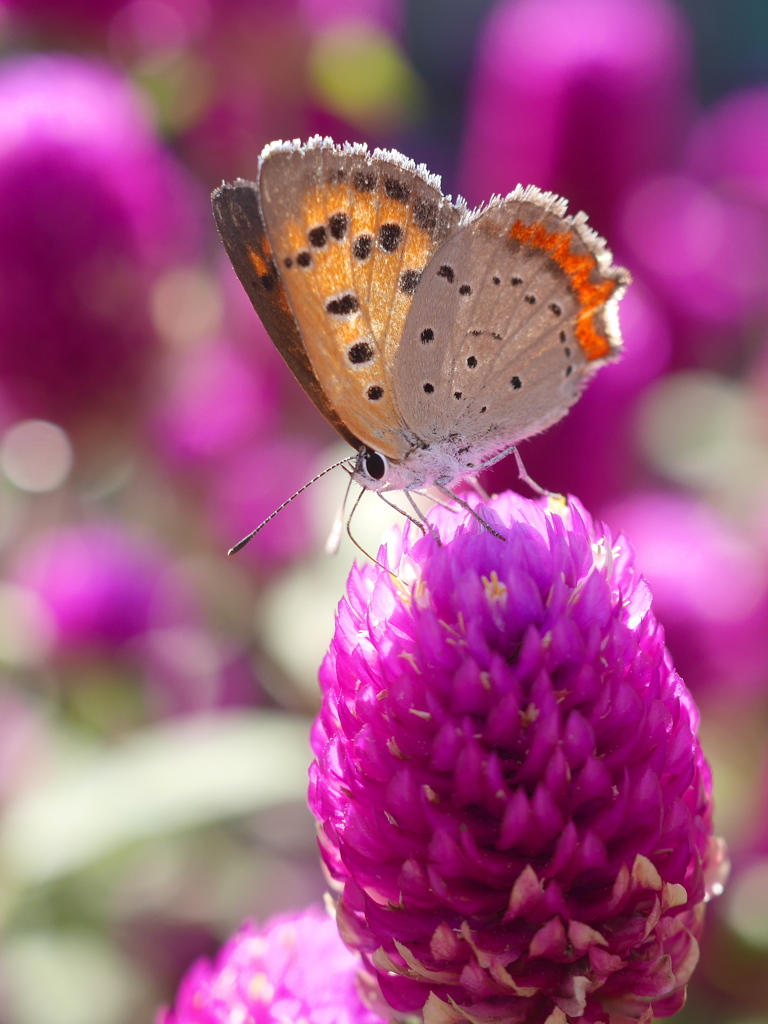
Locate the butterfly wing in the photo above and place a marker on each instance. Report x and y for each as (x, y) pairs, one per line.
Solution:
(512, 315)
(350, 234)
(237, 210)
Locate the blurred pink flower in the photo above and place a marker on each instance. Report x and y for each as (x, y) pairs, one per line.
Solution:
(216, 399)
(577, 96)
(121, 25)
(250, 484)
(116, 596)
(682, 235)
(729, 146)
(91, 209)
(98, 582)
(295, 968)
(710, 588)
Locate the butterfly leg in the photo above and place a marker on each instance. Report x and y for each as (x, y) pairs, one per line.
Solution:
(468, 507)
(359, 547)
(420, 522)
(475, 481)
(334, 537)
(522, 473)
(427, 525)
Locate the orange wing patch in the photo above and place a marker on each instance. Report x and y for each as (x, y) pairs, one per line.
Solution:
(351, 237)
(579, 268)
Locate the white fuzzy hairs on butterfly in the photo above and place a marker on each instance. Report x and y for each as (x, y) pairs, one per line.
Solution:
(548, 202)
(361, 149)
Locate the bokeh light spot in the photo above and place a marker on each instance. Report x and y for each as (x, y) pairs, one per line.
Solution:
(703, 430)
(36, 456)
(26, 628)
(361, 75)
(747, 908)
(186, 306)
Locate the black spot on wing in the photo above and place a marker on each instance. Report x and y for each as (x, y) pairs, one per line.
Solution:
(360, 352)
(362, 247)
(337, 225)
(408, 281)
(318, 237)
(365, 180)
(344, 305)
(397, 190)
(390, 237)
(425, 214)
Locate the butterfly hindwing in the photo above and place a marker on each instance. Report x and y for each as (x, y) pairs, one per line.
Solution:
(351, 234)
(513, 313)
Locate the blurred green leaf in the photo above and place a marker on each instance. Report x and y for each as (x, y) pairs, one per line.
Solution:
(361, 74)
(68, 977)
(165, 778)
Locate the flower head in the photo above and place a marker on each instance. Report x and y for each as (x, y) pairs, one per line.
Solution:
(97, 581)
(92, 210)
(513, 802)
(295, 968)
(578, 96)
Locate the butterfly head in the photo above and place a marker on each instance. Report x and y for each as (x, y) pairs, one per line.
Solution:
(440, 463)
(371, 469)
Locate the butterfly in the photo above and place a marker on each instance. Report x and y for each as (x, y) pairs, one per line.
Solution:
(432, 337)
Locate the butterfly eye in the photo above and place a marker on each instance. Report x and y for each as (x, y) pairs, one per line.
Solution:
(374, 464)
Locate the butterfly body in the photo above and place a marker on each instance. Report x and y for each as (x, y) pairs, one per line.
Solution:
(431, 337)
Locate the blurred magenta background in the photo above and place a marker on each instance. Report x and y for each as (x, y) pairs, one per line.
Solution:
(155, 696)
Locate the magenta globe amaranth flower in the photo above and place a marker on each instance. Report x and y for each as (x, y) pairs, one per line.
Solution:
(92, 211)
(295, 968)
(513, 802)
(578, 96)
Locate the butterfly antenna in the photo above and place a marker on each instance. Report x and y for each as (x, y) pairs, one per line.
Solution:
(241, 543)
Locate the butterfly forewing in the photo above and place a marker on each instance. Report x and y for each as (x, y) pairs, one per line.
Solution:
(510, 317)
(238, 216)
(351, 234)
